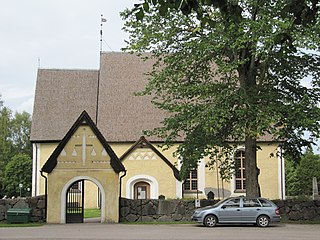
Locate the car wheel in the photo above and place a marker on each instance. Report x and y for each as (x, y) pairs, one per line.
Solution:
(210, 221)
(263, 221)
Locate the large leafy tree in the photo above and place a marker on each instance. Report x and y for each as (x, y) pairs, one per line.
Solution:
(231, 71)
(5, 143)
(20, 133)
(299, 175)
(17, 175)
(14, 141)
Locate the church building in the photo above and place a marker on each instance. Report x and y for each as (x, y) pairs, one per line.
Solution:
(89, 149)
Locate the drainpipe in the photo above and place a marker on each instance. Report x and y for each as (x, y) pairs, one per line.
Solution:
(45, 192)
(125, 173)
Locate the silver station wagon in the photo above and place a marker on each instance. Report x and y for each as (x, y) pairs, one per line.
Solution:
(259, 211)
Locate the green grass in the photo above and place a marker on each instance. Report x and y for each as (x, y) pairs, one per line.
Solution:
(92, 213)
(5, 224)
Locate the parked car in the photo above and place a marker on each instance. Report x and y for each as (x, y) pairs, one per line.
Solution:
(259, 211)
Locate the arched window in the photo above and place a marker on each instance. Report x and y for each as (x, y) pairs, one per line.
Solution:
(141, 190)
(240, 176)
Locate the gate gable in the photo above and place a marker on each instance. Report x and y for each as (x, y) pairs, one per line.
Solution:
(143, 143)
(83, 147)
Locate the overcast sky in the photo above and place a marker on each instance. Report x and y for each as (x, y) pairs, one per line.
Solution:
(52, 34)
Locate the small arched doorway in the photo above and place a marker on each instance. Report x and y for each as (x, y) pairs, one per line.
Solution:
(141, 190)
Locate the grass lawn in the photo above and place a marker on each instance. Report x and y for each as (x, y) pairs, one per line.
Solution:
(5, 224)
(92, 213)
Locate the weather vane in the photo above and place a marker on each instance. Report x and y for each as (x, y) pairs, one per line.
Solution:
(103, 20)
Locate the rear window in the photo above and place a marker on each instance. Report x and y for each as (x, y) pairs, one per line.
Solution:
(265, 203)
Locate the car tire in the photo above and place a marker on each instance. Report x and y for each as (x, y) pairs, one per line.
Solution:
(210, 221)
(263, 221)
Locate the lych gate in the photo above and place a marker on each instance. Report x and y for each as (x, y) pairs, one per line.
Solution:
(83, 162)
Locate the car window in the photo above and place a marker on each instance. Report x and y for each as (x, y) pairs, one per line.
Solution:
(247, 202)
(265, 203)
(232, 203)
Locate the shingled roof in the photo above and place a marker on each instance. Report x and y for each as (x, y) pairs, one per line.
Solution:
(107, 95)
(61, 95)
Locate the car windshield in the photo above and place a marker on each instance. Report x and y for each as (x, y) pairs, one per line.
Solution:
(220, 202)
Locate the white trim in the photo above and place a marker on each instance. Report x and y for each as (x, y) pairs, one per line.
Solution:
(35, 169)
(179, 184)
(201, 176)
(34, 174)
(64, 193)
(154, 186)
(281, 175)
(178, 189)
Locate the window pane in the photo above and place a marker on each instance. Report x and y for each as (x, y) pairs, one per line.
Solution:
(194, 174)
(238, 173)
(194, 184)
(240, 170)
(238, 184)
(251, 203)
(187, 185)
(265, 203)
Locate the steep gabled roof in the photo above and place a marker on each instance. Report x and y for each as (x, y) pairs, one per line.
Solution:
(84, 118)
(144, 143)
(60, 97)
(109, 93)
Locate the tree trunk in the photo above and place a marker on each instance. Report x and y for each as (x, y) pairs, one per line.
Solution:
(252, 171)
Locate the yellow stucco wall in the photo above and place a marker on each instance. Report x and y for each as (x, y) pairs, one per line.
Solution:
(144, 162)
(83, 157)
(269, 178)
(269, 172)
(59, 179)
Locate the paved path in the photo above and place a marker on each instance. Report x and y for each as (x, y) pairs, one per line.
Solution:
(177, 231)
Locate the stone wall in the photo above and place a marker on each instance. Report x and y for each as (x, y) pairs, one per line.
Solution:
(164, 210)
(37, 205)
(181, 210)
(154, 210)
(294, 210)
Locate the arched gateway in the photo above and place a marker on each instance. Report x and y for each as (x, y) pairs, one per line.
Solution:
(83, 154)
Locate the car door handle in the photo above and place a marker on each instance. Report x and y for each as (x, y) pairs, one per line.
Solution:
(238, 210)
(258, 209)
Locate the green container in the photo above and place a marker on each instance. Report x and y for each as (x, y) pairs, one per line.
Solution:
(18, 215)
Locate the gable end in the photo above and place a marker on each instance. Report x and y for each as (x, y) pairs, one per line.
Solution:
(144, 143)
(84, 119)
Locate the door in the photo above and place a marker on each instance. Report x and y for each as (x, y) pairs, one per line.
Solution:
(230, 211)
(251, 209)
(75, 202)
(142, 190)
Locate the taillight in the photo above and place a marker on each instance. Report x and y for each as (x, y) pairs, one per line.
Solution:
(277, 211)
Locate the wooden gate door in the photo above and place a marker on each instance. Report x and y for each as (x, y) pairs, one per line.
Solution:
(75, 203)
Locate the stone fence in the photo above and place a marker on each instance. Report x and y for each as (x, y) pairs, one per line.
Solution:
(181, 210)
(37, 205)
(155, 210)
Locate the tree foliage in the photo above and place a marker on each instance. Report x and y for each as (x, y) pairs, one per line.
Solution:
(14, 140)
(18, 171)
(299, 176)
(231, 70)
